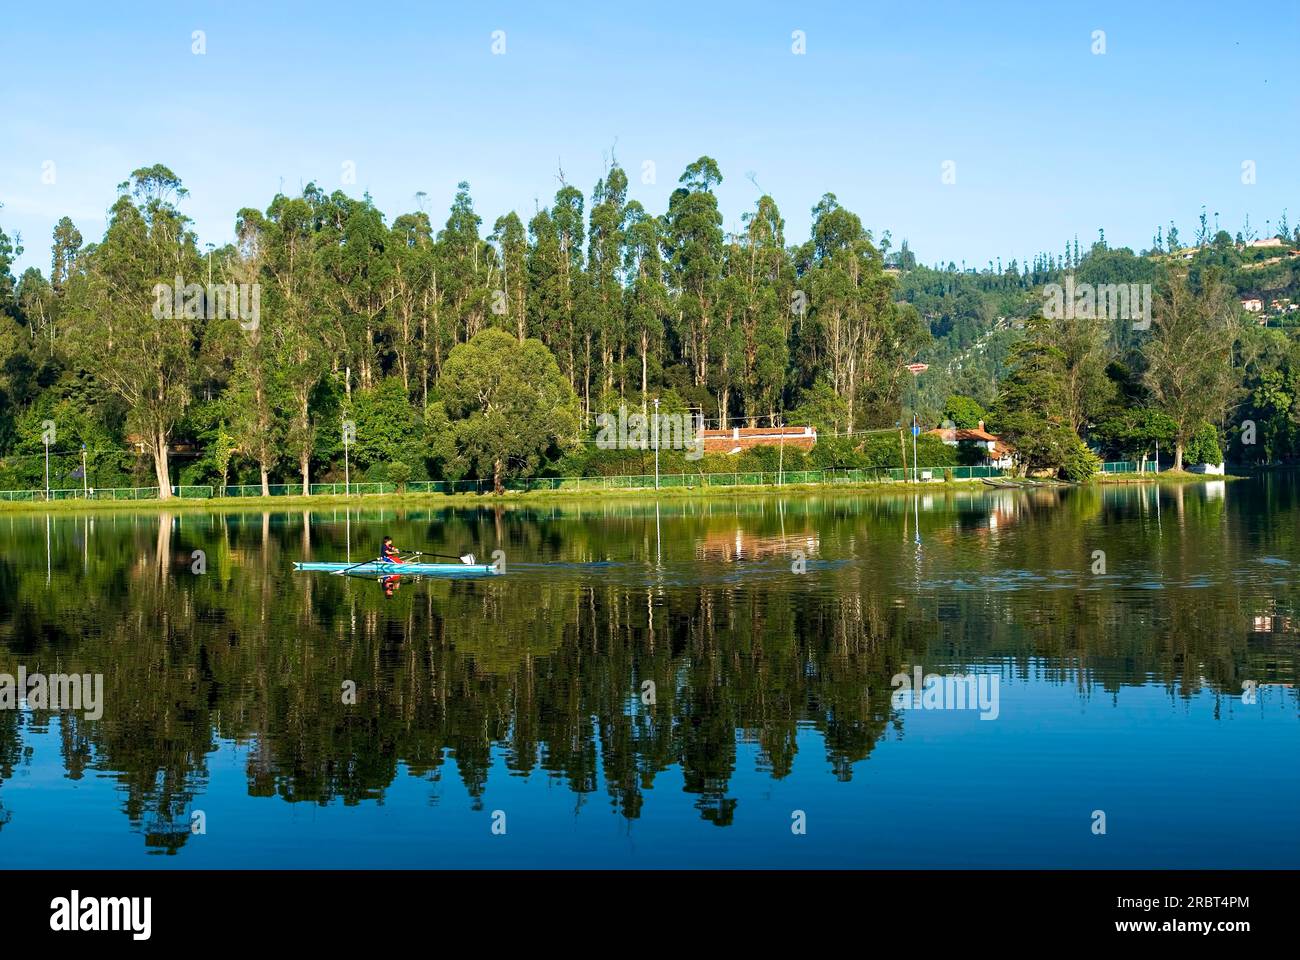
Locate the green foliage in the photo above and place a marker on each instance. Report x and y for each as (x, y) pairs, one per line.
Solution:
(964, 412)
(1133, 433)
(1203, 447)
(1078, 463)
(360, 319)
(503, 406)
(388, 427)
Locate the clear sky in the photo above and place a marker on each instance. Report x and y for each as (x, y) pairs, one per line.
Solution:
(1049, 140)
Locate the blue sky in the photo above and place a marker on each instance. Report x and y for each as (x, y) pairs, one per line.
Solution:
(1049, 140)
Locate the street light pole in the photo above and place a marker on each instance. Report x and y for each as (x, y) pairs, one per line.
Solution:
(916, 428)
(347, 475)
(85, 480)
(655, 427)
(47, 466)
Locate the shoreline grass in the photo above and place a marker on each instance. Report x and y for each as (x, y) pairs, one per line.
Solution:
(471, 500)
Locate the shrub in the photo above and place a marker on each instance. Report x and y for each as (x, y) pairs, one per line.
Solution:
(1203, 447)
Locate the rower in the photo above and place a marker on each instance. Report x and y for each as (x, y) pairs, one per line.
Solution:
(388, 553)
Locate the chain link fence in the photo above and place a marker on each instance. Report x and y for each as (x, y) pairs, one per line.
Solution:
(666, 481)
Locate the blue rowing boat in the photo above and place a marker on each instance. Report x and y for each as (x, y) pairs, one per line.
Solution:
(382, 568)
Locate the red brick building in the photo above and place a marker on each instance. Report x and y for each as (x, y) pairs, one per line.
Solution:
(736, 439)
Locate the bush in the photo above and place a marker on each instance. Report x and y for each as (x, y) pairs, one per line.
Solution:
(400, 474)
(1203, 447)
(1078, 463)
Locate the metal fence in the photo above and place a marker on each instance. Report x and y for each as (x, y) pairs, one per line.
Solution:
(666, 481)
(1130, 466)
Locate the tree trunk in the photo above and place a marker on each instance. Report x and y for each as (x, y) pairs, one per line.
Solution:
(1178, 455)
(305, 461)
(160, 466)
(266, 489)
(497, 484)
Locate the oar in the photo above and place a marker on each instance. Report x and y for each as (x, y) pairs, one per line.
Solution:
(339, 573)
(464, 558)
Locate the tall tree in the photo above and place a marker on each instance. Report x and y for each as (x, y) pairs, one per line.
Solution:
(1189, 354)
(693, 244)
(512, 246)
(647, 300)
(605, 258)
(145, 360)
(501, 406)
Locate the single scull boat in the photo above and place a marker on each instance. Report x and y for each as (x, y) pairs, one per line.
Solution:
(382, 568)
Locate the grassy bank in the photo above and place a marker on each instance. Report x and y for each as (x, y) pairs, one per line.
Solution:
(1165, 476)
(470, 500)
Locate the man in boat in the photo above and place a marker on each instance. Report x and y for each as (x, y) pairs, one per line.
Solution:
(389, 553)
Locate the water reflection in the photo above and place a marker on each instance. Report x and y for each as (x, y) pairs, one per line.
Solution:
(545, 670)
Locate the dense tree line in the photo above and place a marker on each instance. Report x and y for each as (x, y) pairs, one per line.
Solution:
(455, 354)
(371, 322)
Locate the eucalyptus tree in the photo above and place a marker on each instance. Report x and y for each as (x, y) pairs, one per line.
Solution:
(554, 265)
(546, 291)
(693, 248)
(353, 250)
(301, 315)
(466, 265)
(35, 300)
(10, 250)
(512, 245)
(769, 304)
(605, 258)
(125, 326)
(861, 336)
(727, 335)
(1189, 352)
(412, 276)
(64, 252)
(647, 301)
(567, 216)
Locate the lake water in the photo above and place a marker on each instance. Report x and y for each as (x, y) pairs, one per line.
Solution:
(667, 685)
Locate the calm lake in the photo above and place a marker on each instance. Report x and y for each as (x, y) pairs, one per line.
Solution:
(697, 683)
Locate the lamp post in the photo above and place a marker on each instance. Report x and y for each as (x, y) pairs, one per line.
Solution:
(46, 439)
(916, 428)
(347, 428)
(347, 474)
(655, 428)
(780, 462)
(85, 480)
(915, 369)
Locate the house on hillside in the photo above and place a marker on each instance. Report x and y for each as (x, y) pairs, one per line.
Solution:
(1252, 304)
(736, 439)
(996, 451)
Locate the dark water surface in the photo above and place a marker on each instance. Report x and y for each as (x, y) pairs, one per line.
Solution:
(1160, 693)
